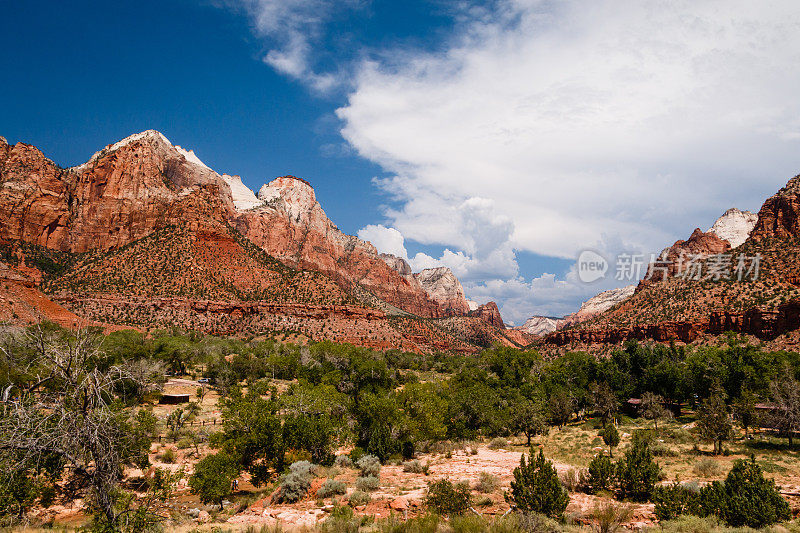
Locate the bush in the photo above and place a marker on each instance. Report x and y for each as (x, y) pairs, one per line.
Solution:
(748, 499)
(675, 500)
(356, 454)
(369, 465)
(359, 498)
(637, 473)
(536, 487)
(343, 461)
(610, 517)
(212, 478)
(331, 487)
(296, 483)
(168, 456)
(487, 483)
(367, 483)
(574, 479)
(601, 473)
(497, 443)
(447, 499)
(707, 467)
(610, 438)
(414, 467)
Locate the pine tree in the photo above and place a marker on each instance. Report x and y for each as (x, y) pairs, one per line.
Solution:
(536, 487)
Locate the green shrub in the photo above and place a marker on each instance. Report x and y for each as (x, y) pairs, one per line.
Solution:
(447, 499)
(168, 456)
(611, 438)
(343, 461)
(331, 487)
(675, 500)
(413, 467)
(601, 473)
(536, 487)
(367, 483)
(359, 498)
(356, 454)
(487, 483)
(637, 472)
(497, 443)
(749, 499)
(369, 465)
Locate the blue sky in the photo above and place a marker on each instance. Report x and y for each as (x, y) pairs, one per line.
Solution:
(498, 138)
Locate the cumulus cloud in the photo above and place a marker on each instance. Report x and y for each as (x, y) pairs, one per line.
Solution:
(635, 119)
(550, 127)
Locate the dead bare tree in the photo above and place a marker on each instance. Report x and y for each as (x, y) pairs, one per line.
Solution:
(61, 403)
(786, 414)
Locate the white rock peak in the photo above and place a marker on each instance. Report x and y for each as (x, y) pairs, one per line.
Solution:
(541, 325)
(297, 194)
(191, 157)
(243, 197)
(734, 226)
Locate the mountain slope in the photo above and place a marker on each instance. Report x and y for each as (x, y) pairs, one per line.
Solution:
(733, 291)
(146, 234)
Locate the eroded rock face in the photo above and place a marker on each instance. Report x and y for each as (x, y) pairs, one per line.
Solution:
(445, 289)
(123, 193)
(763, 324)
(489, 313)
(779, 217)
(132, 188)
(675, 259)
(599, 304)
(734, 226)
(291, 226)
(398, 263)
(541, 325)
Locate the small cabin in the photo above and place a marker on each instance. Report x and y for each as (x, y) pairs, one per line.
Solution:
(173, 399)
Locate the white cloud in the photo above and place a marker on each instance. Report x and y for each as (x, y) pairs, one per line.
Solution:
(635, 119)
(550, 127)
(293, 28)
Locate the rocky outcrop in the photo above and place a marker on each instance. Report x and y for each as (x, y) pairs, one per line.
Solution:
(445, 289)
(399, 264)
(779, 217)
(676, 259)
(760, 323)
(132, 188)
(541, 325)
(490, 314)
(599, 304)
(734, 226)
(123, 193)
(291, 226)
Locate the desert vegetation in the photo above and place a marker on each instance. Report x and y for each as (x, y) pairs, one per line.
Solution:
(336, 437)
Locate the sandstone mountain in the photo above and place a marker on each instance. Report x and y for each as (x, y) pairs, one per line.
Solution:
(445, 289)
(753, 289)
(734, 226)
(146, 234)
(541, 325)
(599, 304)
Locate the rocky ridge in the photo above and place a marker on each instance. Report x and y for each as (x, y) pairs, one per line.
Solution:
(760, 300)
(144, 222)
